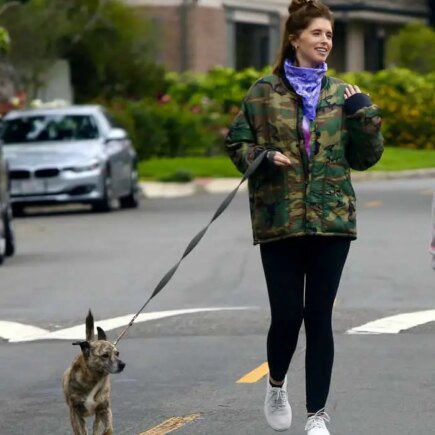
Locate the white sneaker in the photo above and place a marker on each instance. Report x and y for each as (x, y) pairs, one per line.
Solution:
(316, 424)
(276, 407)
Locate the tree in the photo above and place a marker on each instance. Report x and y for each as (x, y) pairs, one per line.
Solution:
(5, 41)
(35, 27)
(111, 51)
(413, 48)
(7, 73)
(109, 48)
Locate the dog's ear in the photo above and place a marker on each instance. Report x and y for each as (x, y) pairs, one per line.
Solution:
(101, 334)
(90, 327)
(84, 346)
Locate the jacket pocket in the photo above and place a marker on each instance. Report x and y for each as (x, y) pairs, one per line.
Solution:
(339, 201)
(269, 203)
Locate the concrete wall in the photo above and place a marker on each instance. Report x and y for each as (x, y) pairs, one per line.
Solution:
(57, 83)
(167, 20)
(199, 34)
(191, 38)
(207, 38)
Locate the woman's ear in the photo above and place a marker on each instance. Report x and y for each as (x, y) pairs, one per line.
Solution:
(292, 41)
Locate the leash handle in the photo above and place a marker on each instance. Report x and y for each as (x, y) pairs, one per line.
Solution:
(192, 244)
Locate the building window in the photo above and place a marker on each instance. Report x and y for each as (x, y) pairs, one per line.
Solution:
(336, 59)
(374, 47)
(252, 45)
(253, 38)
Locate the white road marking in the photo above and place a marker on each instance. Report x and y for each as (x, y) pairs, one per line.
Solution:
(395, 324)
(16, 332)
(10, 330)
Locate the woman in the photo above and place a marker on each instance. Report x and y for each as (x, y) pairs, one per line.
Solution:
(314, 129)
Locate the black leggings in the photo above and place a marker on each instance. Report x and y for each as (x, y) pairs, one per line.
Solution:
(314, 263)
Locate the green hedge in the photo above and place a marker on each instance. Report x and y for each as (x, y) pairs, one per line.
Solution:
(193, 117)
(170, 129)
(407, 100)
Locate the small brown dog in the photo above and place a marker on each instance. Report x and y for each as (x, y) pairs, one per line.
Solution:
(86, 383)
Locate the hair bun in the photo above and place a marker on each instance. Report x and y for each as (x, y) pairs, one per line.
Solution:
(295, 5)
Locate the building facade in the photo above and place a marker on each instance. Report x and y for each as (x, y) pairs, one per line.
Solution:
(200, 34)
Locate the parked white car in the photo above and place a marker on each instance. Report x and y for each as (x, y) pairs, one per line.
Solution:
(74, 154)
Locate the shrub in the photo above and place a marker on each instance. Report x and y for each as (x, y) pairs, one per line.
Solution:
(225, 87)
(405, 97)
(193, 118)
(407, 102)
(413, 47)
(180, 176)
(5, 40)
(169, 129)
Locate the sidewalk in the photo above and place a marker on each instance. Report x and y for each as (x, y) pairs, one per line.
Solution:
(154, 189)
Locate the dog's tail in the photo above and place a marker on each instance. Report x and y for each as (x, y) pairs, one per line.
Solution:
(90, 334)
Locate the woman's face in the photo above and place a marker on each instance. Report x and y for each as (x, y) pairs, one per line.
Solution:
(314, 43)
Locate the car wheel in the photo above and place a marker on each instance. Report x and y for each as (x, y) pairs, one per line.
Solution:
(9, 234)
(2, 256)
(106, 203)
(132, 199)
(2, 246)
(17, 210)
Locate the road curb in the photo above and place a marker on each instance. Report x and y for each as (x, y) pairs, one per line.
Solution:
(155, 189)
(394, 175)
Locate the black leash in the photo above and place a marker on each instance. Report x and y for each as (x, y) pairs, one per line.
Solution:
(192, 244)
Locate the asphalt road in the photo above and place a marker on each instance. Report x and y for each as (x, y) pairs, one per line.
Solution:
(188, 365)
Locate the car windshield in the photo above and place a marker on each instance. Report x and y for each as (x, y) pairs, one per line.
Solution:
(49, 128)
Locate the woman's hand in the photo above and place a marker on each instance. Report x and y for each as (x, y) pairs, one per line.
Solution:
(278, 159)
(351, 90)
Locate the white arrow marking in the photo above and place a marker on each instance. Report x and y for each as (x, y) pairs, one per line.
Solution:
(395, 324)
(16, 332)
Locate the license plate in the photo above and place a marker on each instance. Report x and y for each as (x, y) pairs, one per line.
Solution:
(28, 187)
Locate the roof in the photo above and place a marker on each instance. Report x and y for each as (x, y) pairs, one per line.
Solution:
(70, 110)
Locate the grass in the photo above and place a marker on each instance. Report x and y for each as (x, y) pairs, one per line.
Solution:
(400, 159)
(393, 159)
(163, 169)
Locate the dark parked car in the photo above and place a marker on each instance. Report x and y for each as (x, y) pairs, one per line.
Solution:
(7, 239)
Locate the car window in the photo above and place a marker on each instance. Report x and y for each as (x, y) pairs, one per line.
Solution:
(49, 128)
(111, 120)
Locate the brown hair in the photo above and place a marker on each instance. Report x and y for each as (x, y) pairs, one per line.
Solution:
(302, 12)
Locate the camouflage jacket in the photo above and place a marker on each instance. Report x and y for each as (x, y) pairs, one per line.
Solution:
(314, 196)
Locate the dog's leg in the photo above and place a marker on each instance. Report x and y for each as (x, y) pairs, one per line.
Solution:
(97, 424)
(103, 417)
(78, 423)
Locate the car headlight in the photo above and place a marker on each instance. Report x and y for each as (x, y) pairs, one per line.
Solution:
(84, 168)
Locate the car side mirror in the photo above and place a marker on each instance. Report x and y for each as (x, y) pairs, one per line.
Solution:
(116, 134)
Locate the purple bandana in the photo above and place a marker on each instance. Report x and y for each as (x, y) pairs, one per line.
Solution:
(307, 83)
